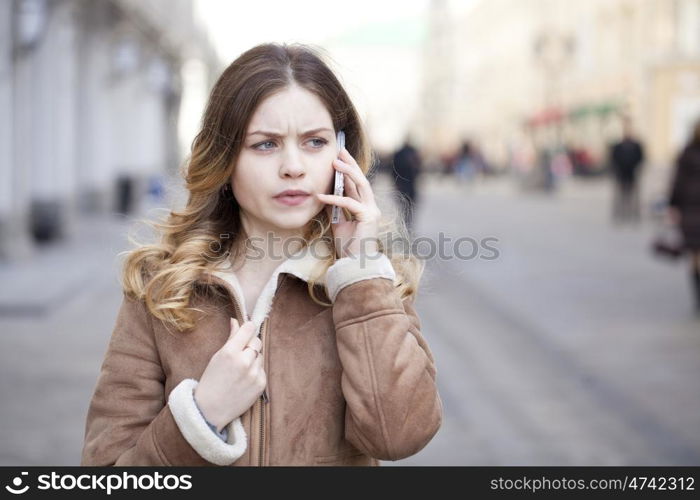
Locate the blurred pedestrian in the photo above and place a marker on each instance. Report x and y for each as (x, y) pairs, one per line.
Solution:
(626, 157)
(465, 166)
(547, 180)
(447, 162)
(407, 167)
(684, 204)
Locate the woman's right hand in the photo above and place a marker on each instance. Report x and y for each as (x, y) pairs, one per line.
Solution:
(234, 377)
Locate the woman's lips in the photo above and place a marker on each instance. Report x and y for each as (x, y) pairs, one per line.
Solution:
(291, 200)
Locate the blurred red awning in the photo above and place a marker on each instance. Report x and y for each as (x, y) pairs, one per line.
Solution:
(545, 117)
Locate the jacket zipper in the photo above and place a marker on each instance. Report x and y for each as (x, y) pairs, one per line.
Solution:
(264, 399)
(242, 319)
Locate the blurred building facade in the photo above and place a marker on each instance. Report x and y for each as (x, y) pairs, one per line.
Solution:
(90, 93)
(377, 63)
(554, 71)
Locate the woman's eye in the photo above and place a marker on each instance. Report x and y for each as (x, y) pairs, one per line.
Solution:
(258, 146)
(320, 142)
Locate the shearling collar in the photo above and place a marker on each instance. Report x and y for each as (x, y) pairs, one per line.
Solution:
(304, 264)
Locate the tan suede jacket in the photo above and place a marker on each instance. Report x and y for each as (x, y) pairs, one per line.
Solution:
(349, 384)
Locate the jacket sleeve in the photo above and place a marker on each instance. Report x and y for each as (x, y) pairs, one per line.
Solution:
(393, 406)
(128, 421)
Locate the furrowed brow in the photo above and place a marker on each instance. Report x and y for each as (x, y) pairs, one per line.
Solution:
(275, 134)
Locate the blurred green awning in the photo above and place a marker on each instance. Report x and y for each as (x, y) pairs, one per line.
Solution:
(595, 109)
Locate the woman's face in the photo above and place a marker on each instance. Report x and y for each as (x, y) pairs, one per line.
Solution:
(290, 144)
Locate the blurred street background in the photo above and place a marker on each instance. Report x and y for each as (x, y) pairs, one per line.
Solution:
(541, 134)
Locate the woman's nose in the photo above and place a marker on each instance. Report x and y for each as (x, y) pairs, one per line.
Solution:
(292, 165)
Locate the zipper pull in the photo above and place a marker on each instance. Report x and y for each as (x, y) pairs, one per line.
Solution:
(264, 396)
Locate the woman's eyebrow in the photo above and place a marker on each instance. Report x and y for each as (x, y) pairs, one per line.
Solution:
(275, 134)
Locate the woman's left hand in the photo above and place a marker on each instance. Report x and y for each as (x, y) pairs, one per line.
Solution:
(358, 236)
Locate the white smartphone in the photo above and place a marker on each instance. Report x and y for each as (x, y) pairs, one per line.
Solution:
(339, 185)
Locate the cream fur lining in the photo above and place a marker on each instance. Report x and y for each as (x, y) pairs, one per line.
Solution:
(196, 431)
(349, 270)
(307, 264)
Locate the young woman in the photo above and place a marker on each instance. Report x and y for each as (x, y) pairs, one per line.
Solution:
(256, 332)
(684, 205)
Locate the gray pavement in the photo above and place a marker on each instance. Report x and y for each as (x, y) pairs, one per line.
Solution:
(573, 347)
(56, 316)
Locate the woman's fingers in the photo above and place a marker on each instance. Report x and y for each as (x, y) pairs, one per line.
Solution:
(240, 337)
(255, 343)
(233, 327)
(358, 197)
(354, 206)
(259, 367)
(249, 354)
(351, 189)
(347, 164)
(343, 216)
(361, 212)
(347, 157)
(357, 176)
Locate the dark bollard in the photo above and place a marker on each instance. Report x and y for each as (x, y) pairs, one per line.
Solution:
(125, 195)
(45, 221)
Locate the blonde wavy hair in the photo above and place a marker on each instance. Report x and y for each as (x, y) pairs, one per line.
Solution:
(166, 274)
